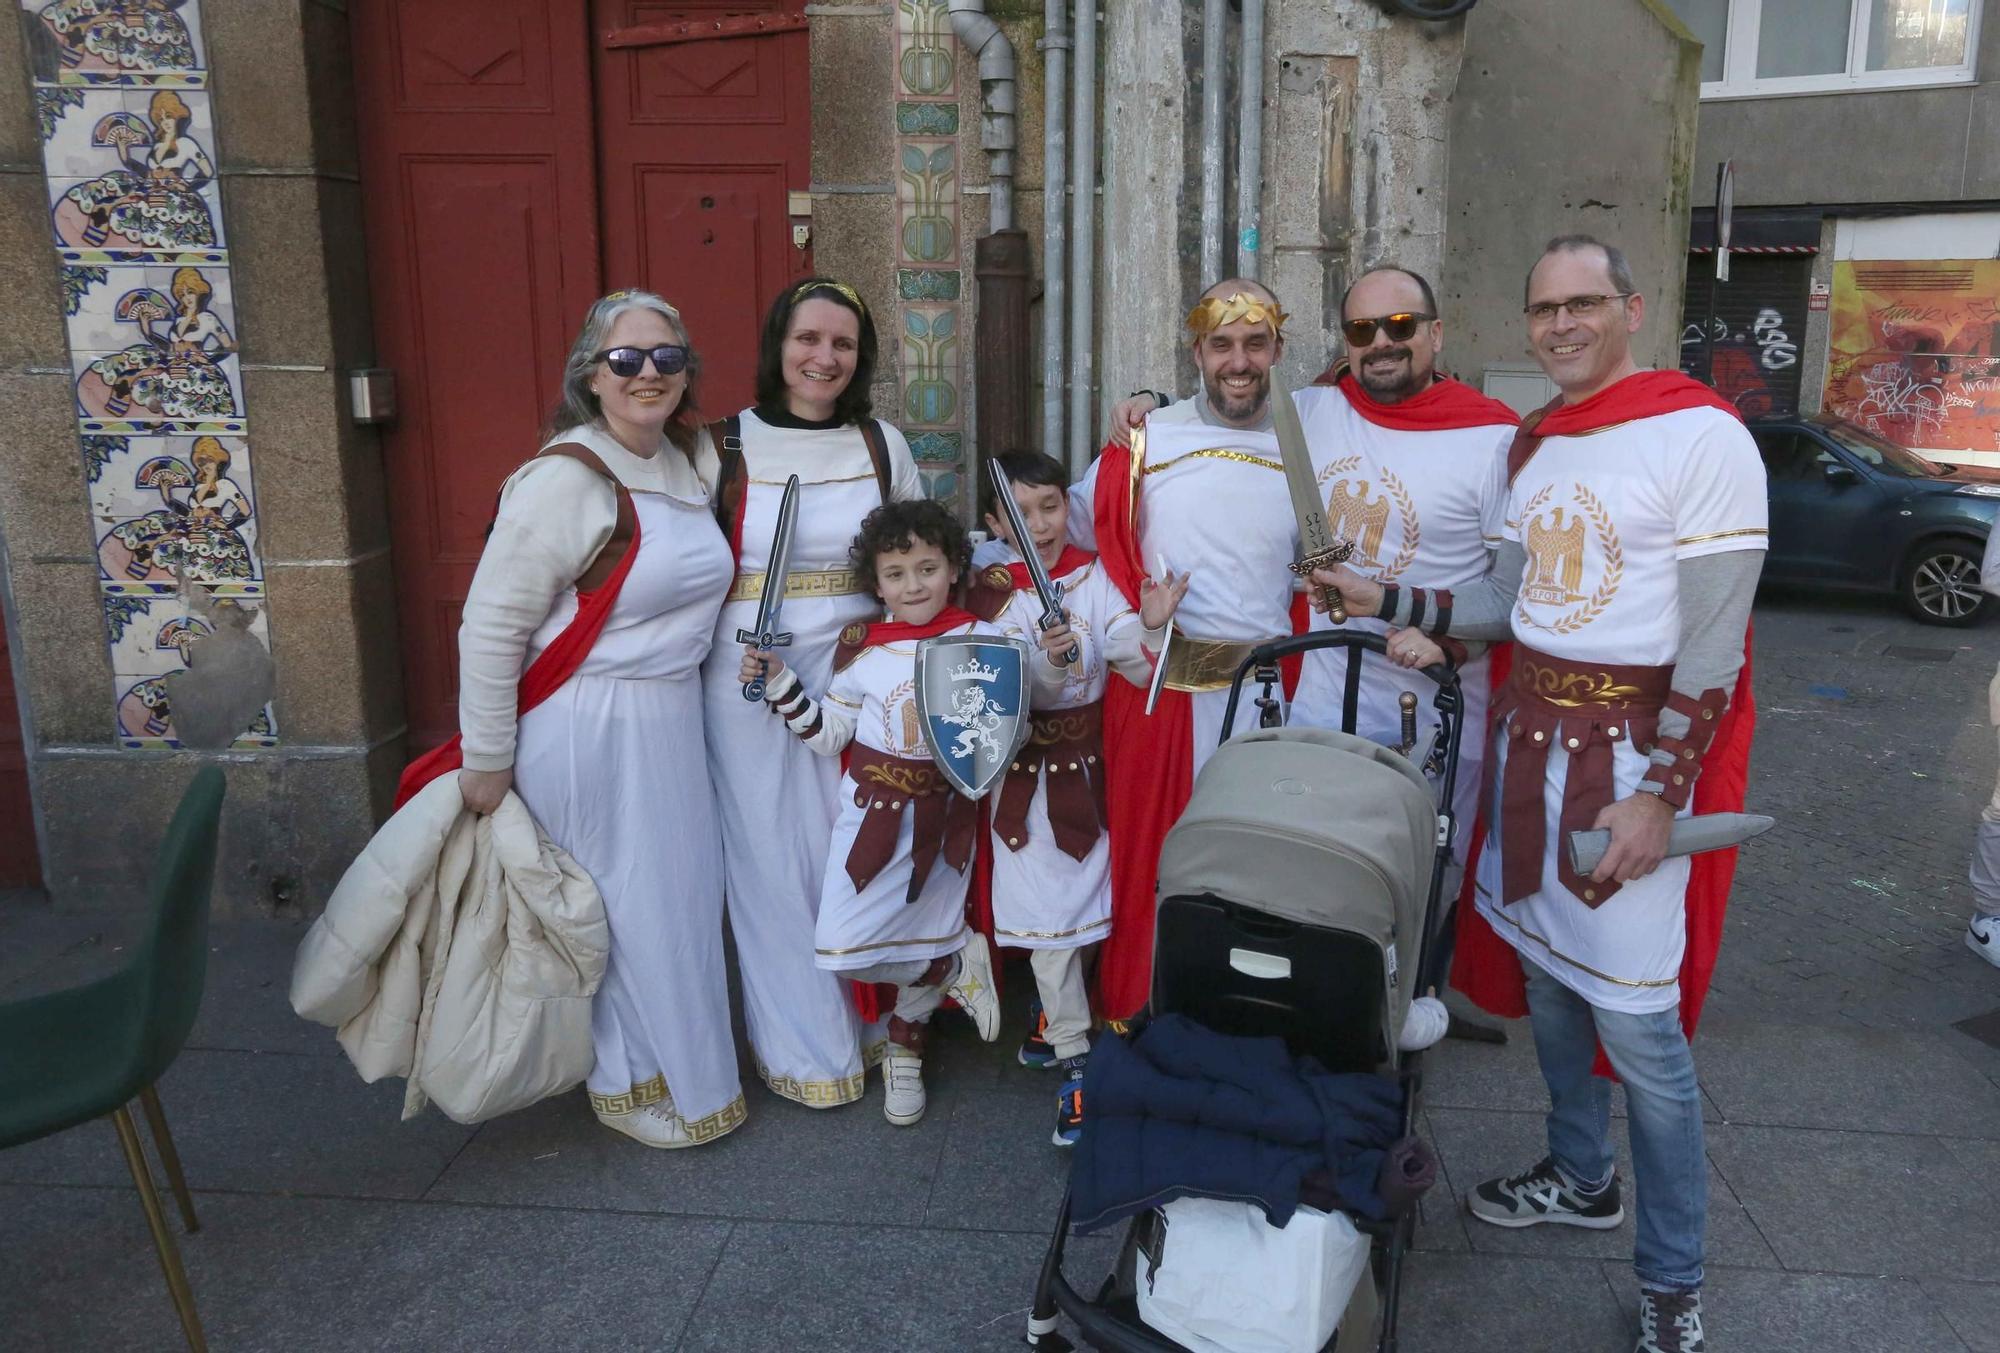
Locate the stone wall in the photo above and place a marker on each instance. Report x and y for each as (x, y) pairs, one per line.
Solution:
(132, 546)
(1605, 147)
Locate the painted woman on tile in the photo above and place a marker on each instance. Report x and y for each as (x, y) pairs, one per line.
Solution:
(120, 35)
(177, 375)
(154, 201)
(197, 536)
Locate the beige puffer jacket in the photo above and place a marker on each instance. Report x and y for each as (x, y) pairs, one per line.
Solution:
(466, 948)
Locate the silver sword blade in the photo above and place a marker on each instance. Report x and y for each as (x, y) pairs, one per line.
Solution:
(1688, 836)
(1318, 546)
(777, 576)
(1047, 590)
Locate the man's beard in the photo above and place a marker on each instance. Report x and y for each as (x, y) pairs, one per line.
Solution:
(1395, 383)
(1238, 408)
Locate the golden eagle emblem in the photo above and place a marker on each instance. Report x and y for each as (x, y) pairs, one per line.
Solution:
(1354, 517)
(1555, 559)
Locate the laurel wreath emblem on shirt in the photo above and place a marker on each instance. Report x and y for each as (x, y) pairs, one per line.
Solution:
(1608, 545)
(1406, 506)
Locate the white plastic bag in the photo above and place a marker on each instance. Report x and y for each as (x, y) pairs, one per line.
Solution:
(1221, 1279)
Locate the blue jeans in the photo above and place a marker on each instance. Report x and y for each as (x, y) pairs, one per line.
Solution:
(1663, 1104)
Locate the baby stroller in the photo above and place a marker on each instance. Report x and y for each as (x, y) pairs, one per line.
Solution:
(1298, 896)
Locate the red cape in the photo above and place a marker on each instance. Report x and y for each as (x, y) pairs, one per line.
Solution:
(895, 631)
(1484, 966)
(1441, 406)
(1069, 561)
(555, 665)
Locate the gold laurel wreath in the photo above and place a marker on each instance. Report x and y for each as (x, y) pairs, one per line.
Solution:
(1614, 565)
(1405, 504)
(892, 731)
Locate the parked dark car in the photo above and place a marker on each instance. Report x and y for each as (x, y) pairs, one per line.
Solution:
(1850, 510)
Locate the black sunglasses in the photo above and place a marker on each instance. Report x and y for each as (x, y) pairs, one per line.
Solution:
(1399, 327)
(668, 359)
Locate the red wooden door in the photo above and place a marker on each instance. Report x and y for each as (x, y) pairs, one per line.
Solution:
(699, 144)
(20, 860)
(481, 215)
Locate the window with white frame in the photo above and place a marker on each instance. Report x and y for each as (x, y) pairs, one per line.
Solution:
(1760, 48)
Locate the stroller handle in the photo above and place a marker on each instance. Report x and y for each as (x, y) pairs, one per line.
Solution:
(1442, 673)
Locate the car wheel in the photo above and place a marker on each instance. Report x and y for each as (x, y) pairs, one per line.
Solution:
(1941, 584)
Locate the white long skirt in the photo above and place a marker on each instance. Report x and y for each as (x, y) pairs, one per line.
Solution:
(1043, 897)
(859, 928)
(616, 773)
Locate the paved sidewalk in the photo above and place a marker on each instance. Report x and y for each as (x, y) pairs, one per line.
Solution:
(1854, 1134)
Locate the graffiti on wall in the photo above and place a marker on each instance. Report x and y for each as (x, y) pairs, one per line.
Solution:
(1914, 352)
(1758, 321)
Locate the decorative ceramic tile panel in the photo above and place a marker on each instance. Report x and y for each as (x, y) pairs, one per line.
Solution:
(930, 280)
(127, 126)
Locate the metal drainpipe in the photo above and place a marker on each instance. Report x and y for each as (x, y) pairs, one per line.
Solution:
(1055, 220)
(1212, 54)
(983, 38)
(1083, 233)
(1250, 142)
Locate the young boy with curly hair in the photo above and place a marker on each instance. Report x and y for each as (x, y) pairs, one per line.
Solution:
(892, 908)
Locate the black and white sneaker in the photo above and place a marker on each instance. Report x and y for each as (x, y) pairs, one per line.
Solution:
(1544, 1194)
(1670, 1322)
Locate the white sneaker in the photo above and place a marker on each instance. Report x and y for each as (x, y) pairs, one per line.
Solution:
(1982, 937)
(655, 1125)
(903, 1082)
(972, 987)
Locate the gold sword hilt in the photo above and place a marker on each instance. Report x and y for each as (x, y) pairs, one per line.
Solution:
(1339, 553)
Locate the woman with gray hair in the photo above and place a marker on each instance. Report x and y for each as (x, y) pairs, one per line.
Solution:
(596, 596)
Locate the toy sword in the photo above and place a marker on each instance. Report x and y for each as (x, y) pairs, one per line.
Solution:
(1318, 546)
(765, 634)
(1047, 589)
(1689, 836)
(1159, 681)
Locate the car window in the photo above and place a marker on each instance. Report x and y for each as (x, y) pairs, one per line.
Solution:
(1880, 454)
(1790, 455)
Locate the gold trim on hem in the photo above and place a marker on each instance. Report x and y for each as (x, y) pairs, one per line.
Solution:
(1722, 535)
(725, 1119)
(825, 582)
(1217, 453)
(887, 944)
(1052, 934)
(873, 1053)
(825, 1094)
(634, 1099)
(838, 479)
(1582, 967)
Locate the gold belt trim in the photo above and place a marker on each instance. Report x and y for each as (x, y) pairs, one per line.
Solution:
(1103, 924)
(1204, 664)
(825, 582)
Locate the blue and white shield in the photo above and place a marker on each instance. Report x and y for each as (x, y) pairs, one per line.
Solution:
(973, 695)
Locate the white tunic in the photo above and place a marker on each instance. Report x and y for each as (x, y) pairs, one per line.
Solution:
(778, 801)
(1212, 502)
(613, 767)
(873, 701)
(1423, 509)
(1605, 519)
(1043, 897)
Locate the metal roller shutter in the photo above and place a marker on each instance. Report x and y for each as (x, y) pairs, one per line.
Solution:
(1760, 321)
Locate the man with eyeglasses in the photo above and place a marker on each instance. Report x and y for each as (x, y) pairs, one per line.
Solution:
(1635, 529)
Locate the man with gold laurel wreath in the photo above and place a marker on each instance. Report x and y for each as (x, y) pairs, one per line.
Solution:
(1635, 531)
(1209, 476)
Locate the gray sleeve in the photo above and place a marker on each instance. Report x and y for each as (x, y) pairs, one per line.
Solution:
(1715, 595)
(1479, 610)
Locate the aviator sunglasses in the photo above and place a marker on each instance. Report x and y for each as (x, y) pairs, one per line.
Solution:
(668, 359)
(1399, 327)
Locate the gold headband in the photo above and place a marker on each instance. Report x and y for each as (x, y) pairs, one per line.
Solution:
(1216, 311)
(822, 285)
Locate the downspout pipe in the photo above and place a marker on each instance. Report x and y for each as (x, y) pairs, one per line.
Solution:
(1055, 222)
(978, 34)
(1212, 76)
(1250, 143)
(1083, 233)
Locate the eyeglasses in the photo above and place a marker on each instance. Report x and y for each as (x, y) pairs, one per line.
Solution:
(1579, 307)
(668, 359)
(1400, 327)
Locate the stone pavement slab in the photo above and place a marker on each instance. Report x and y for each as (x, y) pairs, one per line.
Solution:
(269, 1123)
(1478, 1145)
(1457, 1303)
(1751, 1311)
(308, 1274)
(1971, 1309)
(1863, 1203)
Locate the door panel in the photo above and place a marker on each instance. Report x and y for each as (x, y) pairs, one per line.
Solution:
(699, 144)
(481, 214)
(20, 859)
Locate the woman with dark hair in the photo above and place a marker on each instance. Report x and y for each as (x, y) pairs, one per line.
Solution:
(778, 801)
(609, 528)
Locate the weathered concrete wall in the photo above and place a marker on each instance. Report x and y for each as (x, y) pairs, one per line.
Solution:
(1609, 152)
(1835, 148)
(1354, 168)
(296, 812)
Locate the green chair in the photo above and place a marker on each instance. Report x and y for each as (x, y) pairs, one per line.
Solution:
(74, 1055)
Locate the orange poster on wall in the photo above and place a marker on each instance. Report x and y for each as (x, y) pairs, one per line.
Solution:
(1914, 352)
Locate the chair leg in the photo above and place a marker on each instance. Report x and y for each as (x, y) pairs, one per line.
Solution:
(163, 1141)
(156, 1219)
